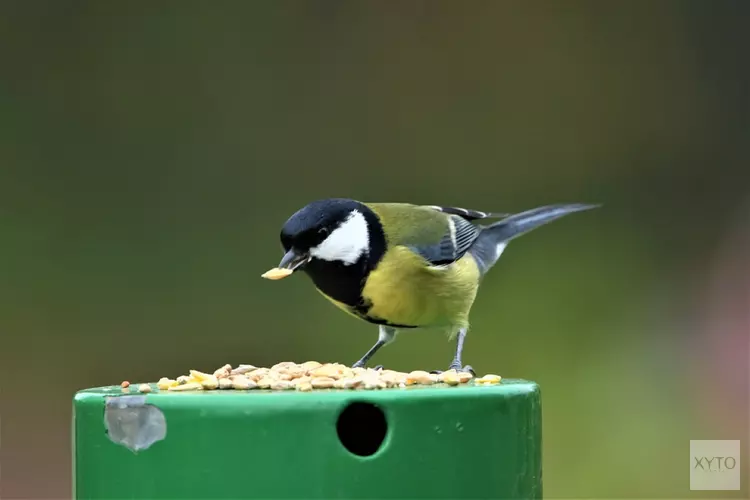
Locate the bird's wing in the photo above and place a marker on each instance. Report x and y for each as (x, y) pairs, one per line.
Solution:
(467, 213)
(441, 237)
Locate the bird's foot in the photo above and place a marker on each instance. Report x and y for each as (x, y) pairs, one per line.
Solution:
(361, 364)
(458, 368)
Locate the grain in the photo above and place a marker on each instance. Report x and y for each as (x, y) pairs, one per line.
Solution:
(165, 383)
(281, 385)
(210, 383)
(421, 377)
(199, 376)
(243, 383)
(489, 379)
(276, 273)
(189, 386)
(305, 387)
(302, 380)
(450, 377)
(223, 372)
(326, 371)
(265, 383)
(322, 382)
(310, 365)
(242, 369)
(309, 376)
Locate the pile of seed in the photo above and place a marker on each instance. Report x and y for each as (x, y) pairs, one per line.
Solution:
(307, 377)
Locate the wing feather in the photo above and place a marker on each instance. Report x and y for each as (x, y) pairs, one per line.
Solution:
(467, 213)
(440, 237)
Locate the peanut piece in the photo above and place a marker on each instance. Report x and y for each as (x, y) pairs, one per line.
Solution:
(243, 383)
(189, 386)
(420, 377)
(265, 383)
(392, 378)
(301, 380)
(322, 382)
(257, 374)
(310, 365)
(281, 385)
(243, 369)
(144, 388)
(165, 383)
(328, 371)
(450, 377)
(489, 379)
(276, 273)
(374, 383)
(223, 372)
(198, 376)
(351, 383)
(296, 372)
(282, 366)
(210, 382)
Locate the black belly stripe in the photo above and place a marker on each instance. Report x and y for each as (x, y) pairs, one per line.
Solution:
(383, 322)
(362, 309)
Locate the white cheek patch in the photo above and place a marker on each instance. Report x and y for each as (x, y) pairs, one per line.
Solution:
(347, 243)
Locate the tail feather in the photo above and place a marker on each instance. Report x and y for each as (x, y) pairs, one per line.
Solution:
(495, 237)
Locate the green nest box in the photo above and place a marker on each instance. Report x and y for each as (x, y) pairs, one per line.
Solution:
(436, 441)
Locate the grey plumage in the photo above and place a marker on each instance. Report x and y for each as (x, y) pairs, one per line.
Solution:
(492, 239)
(486, 242)
(466, 213)
(459, 237)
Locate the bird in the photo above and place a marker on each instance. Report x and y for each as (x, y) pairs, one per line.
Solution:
(403, 266)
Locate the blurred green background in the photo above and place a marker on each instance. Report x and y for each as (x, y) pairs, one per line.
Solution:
(151, 151)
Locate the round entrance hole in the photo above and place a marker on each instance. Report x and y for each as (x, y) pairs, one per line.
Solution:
(361, 428)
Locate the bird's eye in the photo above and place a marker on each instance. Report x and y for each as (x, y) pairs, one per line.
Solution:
(323, 231)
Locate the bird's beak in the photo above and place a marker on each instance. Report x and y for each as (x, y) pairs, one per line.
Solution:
(290, 262)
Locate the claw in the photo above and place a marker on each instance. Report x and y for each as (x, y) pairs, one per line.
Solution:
(458, 368)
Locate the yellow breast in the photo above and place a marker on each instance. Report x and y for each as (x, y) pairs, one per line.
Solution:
(404, 290)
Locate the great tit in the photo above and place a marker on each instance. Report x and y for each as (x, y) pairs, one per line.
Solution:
(402, 266)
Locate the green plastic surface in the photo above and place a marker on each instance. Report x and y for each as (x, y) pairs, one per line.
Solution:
(441, 442)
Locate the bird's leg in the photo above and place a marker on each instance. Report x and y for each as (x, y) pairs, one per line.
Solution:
(385, 335)
(364, 359)
(456, 364)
